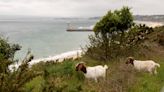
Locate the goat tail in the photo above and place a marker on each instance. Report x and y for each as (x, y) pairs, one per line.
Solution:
(105, 66)
(157, 65)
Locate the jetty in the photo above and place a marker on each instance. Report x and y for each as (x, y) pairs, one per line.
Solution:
(79, 29)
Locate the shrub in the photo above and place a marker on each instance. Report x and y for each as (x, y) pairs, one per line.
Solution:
(116, 36)
(13, 81)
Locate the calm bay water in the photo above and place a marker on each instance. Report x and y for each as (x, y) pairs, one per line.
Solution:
(45, 37)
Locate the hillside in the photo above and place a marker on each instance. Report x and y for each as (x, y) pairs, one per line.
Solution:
(153, 18)
(62, 77)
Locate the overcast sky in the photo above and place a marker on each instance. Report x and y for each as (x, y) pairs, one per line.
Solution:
(77, 8)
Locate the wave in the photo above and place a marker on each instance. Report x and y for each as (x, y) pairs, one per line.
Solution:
(89, 27)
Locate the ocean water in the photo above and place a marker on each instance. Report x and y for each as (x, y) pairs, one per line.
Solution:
(45, 37)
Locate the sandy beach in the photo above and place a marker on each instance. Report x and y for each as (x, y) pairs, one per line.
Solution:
(150, 23)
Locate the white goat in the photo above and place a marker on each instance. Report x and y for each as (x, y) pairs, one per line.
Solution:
(147, 65)
(92, 72)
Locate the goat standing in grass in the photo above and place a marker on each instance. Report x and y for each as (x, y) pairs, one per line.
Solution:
(147, 65)
(92, 72)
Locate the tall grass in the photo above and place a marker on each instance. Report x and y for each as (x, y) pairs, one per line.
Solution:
(62, 77)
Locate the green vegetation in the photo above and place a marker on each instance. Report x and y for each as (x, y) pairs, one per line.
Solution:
(110, 34)
(114, 33)
(13, 81)
(110, 31)
(112, 43)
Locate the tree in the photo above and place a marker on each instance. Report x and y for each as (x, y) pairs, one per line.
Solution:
(110, 30)
(114, 23)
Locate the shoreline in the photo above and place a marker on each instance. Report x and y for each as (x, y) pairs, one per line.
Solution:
(74, 54)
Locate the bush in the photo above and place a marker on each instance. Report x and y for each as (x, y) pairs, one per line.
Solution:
(13, 81)
(133, 40)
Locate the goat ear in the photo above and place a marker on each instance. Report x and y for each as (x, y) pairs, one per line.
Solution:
(131, 59)
(77, 67)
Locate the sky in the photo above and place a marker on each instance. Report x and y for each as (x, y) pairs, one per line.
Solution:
(77, 8)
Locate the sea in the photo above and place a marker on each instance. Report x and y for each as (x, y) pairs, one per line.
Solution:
(45, 37)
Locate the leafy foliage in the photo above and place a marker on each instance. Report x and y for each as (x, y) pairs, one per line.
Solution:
(116, 35)
(7, 52)
(13, 81)
(114, 23)
(110, 31)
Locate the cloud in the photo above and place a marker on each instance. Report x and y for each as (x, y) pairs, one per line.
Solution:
(77, 8)
(147, 6)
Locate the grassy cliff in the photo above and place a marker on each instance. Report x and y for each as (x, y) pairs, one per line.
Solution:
(62, 77)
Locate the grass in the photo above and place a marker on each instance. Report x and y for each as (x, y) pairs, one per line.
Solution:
(148, 83)
(34, 85)
(120, 78)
